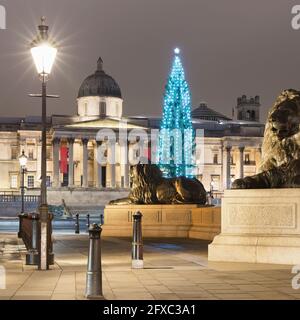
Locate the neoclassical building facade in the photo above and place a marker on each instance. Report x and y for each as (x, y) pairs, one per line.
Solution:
(232, 148)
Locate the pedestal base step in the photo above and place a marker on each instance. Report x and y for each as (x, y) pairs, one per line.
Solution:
(255, 249)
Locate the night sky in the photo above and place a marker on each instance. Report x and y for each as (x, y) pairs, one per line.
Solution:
(228, 47)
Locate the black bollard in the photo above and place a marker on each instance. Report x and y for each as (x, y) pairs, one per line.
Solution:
(21, 217)
(87, 222)
(137, 243)
(94, 269)
(77, 228)
(101, 219)
(32, 256)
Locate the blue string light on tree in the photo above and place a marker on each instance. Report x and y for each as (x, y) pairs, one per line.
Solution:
(176, 140)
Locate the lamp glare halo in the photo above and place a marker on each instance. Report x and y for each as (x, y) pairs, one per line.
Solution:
(44, 55)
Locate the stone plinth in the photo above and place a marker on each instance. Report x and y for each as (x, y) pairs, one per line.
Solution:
(205, 223)
(182, 221)
(260, 225)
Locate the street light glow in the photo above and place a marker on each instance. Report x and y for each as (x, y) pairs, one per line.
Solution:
(44, 57)
(43, 50)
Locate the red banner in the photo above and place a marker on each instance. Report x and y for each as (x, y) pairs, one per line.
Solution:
(64, 159)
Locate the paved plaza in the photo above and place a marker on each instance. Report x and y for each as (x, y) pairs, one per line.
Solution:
(174, 269)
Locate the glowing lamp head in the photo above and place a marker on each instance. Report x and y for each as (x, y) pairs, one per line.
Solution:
(23, 160)
(43, 50)
(176, 50)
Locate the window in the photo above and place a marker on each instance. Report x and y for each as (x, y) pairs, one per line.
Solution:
(248, 115)
(48, 181)
(30, 181)
(14, 153)
(247, 158)
(14, 181)
(215, 161)
(102, 109)
(30, 154)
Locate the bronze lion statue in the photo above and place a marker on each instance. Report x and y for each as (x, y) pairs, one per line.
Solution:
(150, 187)
(280, 165)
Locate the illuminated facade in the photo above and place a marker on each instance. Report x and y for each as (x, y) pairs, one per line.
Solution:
(232, 147)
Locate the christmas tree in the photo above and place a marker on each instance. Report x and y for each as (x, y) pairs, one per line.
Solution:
(176, 139)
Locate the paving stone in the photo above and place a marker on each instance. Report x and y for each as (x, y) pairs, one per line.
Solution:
(183, 273)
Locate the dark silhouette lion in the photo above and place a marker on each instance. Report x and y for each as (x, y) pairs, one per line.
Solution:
(150, 187)
(280, 165)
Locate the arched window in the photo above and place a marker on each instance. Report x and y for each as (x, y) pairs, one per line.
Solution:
(248, 114)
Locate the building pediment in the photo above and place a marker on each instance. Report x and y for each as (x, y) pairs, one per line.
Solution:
(103, 123)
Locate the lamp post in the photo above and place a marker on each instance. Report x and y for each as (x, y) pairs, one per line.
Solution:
(23, 162)
(43, 51)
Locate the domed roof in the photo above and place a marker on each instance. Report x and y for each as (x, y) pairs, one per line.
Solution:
(99, 84)
(203, 112)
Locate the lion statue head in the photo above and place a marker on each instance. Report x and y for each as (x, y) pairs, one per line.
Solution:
(145, 179)
(280, 165)
(281, 142)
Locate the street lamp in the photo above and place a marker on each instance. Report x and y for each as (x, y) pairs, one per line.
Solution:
(23, 162)
(43, 52)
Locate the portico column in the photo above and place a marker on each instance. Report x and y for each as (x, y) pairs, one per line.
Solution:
(56, 146)
(222, 167)
(85, 162)
(125, 164)
(241, 149)
(126, 175)
(112, 163)
(99, 166)
(228, 167)
(71, 162)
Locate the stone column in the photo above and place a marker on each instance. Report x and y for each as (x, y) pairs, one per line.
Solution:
(126, 176)
(112, 163)
(125, 164)
(222, 182)
(228, 167)
(71, 162)
(85, 162)
(56, 146)
(241, 149)
(99, 167)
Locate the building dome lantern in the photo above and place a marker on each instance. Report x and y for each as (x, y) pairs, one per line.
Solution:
(99, 95)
